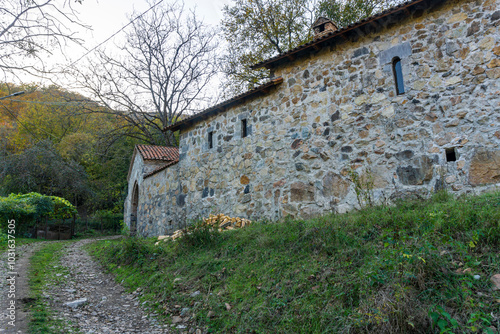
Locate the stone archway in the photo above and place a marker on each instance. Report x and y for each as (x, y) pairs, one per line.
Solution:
(133, 213)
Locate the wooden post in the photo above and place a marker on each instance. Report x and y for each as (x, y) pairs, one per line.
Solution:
(59, 230)
(73, 224)
(46, 228)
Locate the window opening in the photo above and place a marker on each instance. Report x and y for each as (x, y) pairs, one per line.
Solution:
(451, 154)
(244, 130)
(397, 69)
(211, 139)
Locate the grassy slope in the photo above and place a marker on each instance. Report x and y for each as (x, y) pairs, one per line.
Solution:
(380, 270)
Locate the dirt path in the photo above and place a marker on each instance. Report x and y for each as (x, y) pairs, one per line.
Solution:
(108, 308)
(23, 254)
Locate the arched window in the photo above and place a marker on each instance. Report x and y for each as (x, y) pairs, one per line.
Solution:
(398, 75)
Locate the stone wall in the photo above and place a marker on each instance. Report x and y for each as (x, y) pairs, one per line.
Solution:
(337, 113)
(135, 177)
(161, 208)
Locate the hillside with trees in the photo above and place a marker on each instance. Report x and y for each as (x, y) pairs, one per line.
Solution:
(51, 143)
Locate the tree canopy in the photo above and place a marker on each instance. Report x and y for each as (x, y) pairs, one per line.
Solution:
(256, 30)
(52, 145)
(26, 209)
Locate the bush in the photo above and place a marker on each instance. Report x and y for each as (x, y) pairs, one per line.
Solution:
(200, 235)
(26, 209)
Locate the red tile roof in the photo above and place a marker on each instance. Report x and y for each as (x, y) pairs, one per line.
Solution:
(221, 107)
(333, 37)
(162, 153)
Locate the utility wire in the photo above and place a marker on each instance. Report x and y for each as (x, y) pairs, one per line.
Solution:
(116, 33)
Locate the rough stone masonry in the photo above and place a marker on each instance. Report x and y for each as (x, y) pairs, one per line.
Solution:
(334, 109)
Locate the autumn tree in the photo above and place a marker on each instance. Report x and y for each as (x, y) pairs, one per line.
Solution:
(259, 29)
(256, 30)
(51, 145)
(166, 65)
(31, 30)
(345, 12)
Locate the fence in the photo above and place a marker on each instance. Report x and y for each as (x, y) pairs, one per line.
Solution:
(67, 228)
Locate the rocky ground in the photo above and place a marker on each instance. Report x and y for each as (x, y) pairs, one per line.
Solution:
(23, 254)
(92, 302)
(86, 299)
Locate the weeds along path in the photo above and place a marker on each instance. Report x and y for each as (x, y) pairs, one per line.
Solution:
(107, 309)
(23, 254)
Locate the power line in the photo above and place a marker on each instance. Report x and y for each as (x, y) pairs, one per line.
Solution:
(116, 33)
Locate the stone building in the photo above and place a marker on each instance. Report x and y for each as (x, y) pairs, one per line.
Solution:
(401, 104)
(147, 161)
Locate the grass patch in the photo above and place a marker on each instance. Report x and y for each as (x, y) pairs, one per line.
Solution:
(19, 241)
(45, 269)
(403, 269)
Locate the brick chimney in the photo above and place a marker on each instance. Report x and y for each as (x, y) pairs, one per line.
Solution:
(323, 26)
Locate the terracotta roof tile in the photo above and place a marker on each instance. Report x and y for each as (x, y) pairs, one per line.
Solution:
(162, 153)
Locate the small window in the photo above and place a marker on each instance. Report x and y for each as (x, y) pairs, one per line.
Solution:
(451, 154)
(398, 76)
(244, 129)
(211, 139)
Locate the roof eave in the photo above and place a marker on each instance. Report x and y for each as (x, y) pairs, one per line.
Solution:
(317, 44)
(221, 107)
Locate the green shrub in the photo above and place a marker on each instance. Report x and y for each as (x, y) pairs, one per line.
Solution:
(26, 209)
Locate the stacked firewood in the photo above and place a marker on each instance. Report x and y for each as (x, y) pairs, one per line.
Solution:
(221, 222)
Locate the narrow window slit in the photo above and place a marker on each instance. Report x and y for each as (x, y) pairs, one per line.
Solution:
(244, 131)
(451, 154)
(211, 139)
(397, 70)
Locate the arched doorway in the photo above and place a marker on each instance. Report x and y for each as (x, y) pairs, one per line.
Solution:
(133, 214)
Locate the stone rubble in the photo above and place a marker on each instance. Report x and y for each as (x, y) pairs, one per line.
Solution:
(108, 308)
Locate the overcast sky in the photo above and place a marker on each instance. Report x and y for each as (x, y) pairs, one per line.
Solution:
(106, 17)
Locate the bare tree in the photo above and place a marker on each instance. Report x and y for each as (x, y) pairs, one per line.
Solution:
(168, 62)
(30, 29)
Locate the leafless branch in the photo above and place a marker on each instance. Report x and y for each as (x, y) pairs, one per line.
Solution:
(163, 73)
(30, 29)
